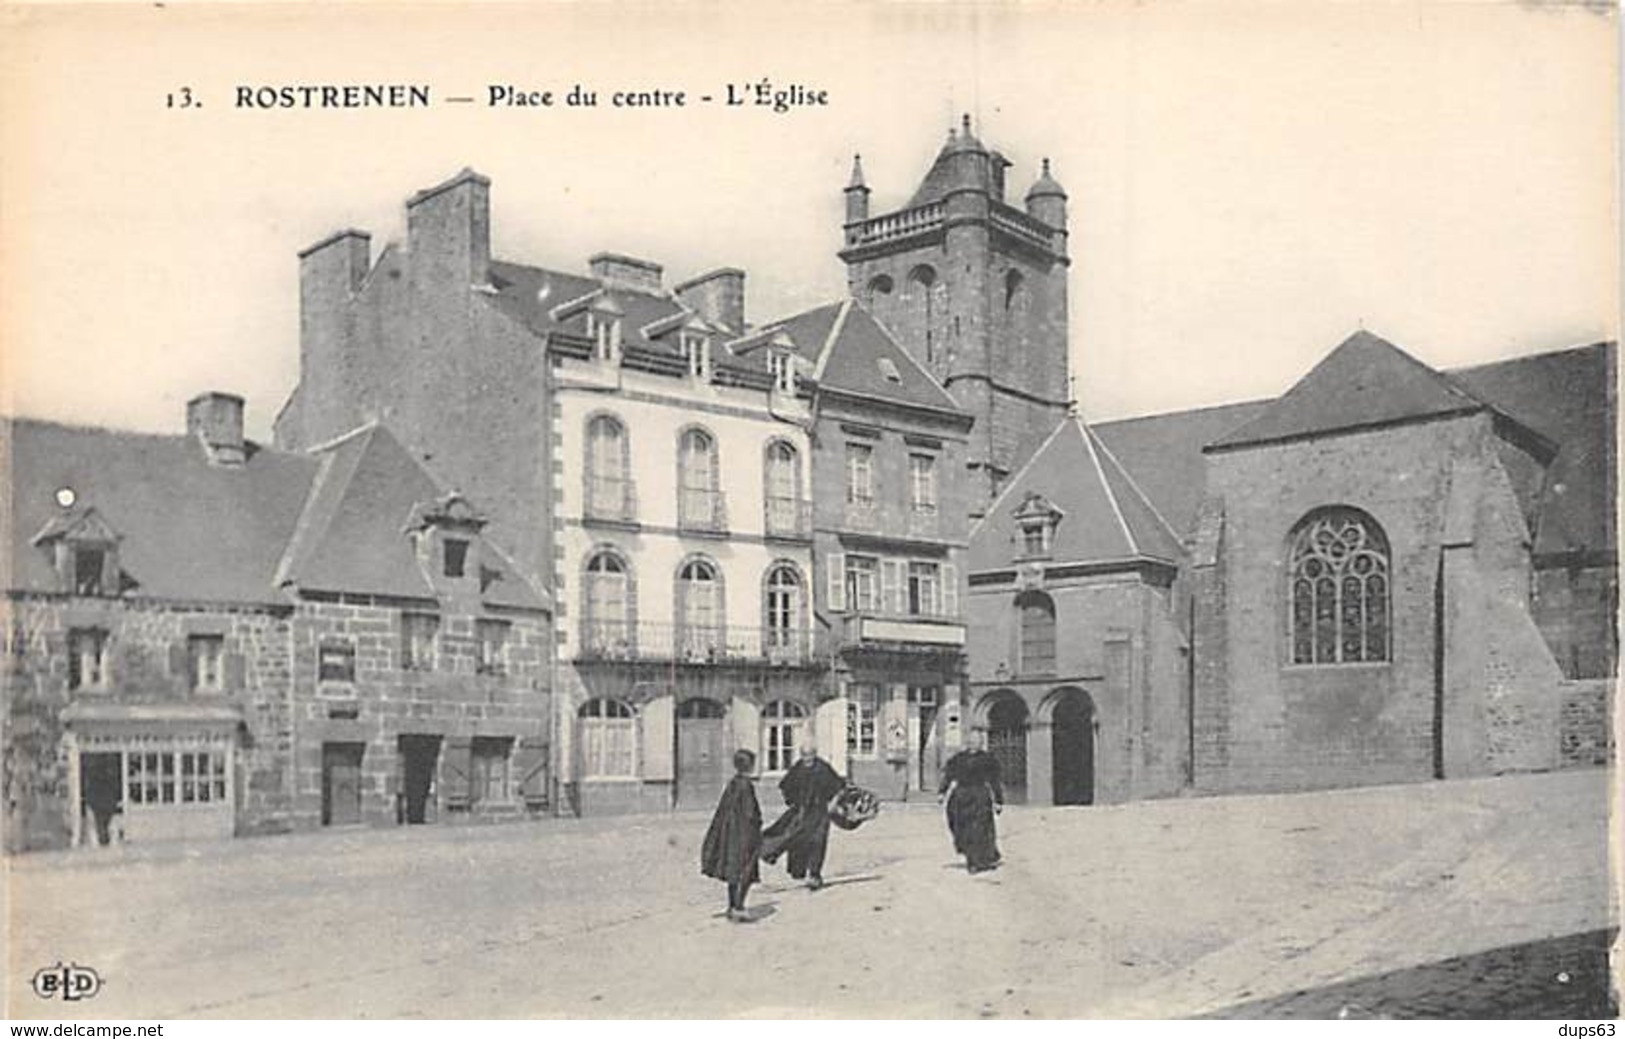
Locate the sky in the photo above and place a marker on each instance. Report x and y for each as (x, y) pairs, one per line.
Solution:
(1248, 183)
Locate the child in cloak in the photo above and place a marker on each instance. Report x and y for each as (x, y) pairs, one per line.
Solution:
(734, 841)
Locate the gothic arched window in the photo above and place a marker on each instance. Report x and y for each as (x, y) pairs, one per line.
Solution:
(1339, 591)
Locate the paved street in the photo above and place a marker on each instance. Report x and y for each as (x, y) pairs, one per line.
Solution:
(1163, 909)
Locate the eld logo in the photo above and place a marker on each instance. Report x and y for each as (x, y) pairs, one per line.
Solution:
(72, 982)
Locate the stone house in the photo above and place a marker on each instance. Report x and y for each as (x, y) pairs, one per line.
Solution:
(207, 637)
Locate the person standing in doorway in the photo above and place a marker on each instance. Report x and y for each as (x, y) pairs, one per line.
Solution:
(971, 788)
(803, 833)
(734, 840)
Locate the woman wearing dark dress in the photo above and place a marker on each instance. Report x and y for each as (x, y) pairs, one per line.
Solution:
(970, 783)
(734, 840)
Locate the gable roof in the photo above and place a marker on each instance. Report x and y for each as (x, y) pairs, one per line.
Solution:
(353, 536)
(1105, 517)
(1565, 396)
(332, 520)
(1366, 381)
(189, 530)
(852, 352)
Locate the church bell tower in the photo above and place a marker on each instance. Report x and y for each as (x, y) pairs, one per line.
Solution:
(975, 289)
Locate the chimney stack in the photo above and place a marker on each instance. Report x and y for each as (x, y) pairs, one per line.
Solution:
(626, 272)
(448, 231)
(718, 296)
(216, 419)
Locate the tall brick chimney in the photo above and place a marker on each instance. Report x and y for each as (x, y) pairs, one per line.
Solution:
(216, 420)
(717, 296)
(448, 231)
(626, 272)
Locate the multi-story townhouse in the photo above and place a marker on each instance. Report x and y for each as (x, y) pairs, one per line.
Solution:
(891, 495)
(206, 637)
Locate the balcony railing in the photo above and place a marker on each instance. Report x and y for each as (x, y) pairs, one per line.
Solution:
(1014, 222)
(788, 517)
(930, 633)
(699, 644)
(892, 226)
(611, 499)
(702, 509)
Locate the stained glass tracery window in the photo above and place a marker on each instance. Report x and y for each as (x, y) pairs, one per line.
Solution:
(1340, 589)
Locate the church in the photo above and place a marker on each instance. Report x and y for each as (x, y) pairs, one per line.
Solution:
(1389, 573)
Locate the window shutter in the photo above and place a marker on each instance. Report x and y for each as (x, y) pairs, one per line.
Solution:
(891, 586)
(836, 562)
(454, 769)
(180, 663)
(950, 590)
(657, 717)
(236, 672)
(530, 769)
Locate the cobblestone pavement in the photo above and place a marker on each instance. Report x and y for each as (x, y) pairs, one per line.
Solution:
(1560, 978)
(1257, 905)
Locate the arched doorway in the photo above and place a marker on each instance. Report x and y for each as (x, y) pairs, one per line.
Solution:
(1007, 741)
(703, 761)
(1072, 747)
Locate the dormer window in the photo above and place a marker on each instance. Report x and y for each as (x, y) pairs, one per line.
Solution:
(83, 549)
(1036, 520)
(782, 364)
(454, 556)
(697, 355)
(604, 329)
(88, 566)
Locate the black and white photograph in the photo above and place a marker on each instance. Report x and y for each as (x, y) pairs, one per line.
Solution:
(951, 512)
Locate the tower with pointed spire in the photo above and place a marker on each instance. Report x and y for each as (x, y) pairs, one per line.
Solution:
(975, 289)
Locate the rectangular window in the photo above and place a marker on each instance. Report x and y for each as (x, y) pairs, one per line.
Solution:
(488, 769)
(924, 586)
(418, 631)
(862, 580)
(454, 556)
(88, 564)
(87, 658)
(203, 777)
(922, 483)
(697, 354)
(150, 778)
(925, 695)
(783, 367)
(206, 658)
(860, 488)
(862, 706)
(335, 661)
(1035, 539)
(493, 647)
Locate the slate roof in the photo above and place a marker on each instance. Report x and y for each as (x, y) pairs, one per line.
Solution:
(529, 294)
(1366, 381)
(1105, 517)
(352, 538)
(845, 346)
(1565, 396)
(189, 531)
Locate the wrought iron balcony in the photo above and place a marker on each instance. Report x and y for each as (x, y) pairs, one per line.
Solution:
(902, 632)
(699, 644)
(611, 499)
(702, 509)
(788, 517)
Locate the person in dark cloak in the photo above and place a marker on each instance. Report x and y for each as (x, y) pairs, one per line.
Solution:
(803, 833)
(103, 800)
(970, 785)
(734, 840)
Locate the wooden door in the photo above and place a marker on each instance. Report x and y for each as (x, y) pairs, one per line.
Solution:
(704, 761)
(341, 783)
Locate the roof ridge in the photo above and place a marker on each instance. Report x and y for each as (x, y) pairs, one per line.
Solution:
(283, 574)
(1010, 484)
(1105, 484)
(1133, 484)
(836, 327)
(328, 445)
